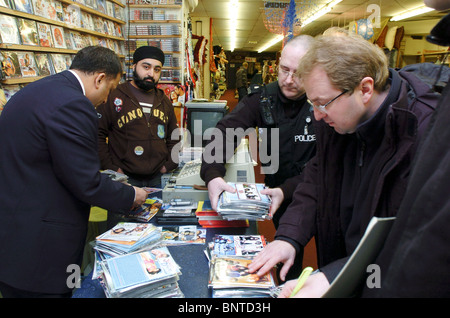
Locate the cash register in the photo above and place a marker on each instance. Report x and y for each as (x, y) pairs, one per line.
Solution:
(186, 183)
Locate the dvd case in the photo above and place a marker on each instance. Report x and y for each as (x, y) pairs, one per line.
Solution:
(27, 64)
(45, 34)
(9, 33)
(58, 37)
(28, 31)
(23, 5)
(40, 7)
(10, 64)
(44, 64)
(61, 62)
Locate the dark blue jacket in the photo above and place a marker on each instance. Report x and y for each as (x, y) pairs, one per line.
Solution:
(49, 178)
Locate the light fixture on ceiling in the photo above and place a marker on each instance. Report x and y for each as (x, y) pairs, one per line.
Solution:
(274, 41)
(233, 12)
(411, 13)
(322, 11)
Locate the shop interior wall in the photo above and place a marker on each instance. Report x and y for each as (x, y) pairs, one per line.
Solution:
(236, 58)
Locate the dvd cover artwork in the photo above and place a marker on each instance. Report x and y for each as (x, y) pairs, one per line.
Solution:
(28, 31)
(45, 34)
(10, 65)
(27, 63)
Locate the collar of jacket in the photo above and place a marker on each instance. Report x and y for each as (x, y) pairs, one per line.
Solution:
(125, 89)
(399, 111)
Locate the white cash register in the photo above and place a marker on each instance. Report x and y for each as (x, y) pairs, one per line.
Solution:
(240, 168)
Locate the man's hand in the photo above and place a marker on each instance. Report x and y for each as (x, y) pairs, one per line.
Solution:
(315, 286)
(277, 197)
(215, 187)
(140, 196)
(274, 253)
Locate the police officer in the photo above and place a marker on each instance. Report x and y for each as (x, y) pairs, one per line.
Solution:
(278, 109)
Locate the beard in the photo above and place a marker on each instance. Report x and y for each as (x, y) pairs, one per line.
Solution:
(142, 83)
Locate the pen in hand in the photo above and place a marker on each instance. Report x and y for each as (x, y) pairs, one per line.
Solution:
(301, 280)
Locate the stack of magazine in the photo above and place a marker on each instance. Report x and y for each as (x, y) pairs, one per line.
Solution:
(229, 257)
(150, 273)
(246, 203)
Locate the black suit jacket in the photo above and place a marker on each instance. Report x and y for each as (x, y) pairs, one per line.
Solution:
(49, 178)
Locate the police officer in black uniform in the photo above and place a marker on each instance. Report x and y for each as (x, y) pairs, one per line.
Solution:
(278, 108)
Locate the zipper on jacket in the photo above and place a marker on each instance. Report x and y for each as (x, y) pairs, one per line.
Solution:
(361, 153)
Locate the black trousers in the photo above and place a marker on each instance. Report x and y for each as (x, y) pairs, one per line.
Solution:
(242, 91)
(12, 292)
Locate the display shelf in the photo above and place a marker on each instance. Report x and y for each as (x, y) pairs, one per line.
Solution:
(81, 26)
(158, 25)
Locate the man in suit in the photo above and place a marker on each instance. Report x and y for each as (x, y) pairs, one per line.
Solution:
(49, 175)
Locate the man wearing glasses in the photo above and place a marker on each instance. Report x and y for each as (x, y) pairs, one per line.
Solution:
(277, 108)
(136, 124)
(369, 121)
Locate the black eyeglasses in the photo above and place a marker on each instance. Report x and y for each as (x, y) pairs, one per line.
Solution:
(322, 108)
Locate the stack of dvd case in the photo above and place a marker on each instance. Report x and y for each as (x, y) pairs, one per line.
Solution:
(236, 245)
(148, 274)
(246, 203)
(229, 257)
(127, 237)
(230, 278)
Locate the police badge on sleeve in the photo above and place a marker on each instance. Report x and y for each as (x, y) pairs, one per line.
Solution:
(161, 131)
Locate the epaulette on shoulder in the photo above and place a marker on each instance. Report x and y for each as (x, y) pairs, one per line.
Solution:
(255, 88)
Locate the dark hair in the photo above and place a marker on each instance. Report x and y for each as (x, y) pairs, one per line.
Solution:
(93, 59)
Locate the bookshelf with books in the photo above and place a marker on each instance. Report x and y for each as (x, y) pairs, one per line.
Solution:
(40, 37)
(157, 23)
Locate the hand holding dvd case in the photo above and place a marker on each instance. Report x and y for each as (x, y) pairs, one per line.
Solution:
(246, 203)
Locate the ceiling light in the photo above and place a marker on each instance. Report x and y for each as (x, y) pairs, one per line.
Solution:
(233, 12)
(322, 11)
(274, 41)
(411, 13)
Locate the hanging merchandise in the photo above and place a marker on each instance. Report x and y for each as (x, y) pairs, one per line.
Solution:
(286, 18)
(189, 55)
(363, 27)
(199, 61)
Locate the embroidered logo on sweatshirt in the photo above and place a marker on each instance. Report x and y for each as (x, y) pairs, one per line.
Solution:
(118, 102)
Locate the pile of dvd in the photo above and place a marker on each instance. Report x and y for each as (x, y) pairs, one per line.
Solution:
(127, 237)
(150, 273)
(229, 257)
(246, 203)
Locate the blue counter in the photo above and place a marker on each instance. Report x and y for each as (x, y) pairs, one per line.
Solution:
(192, 260)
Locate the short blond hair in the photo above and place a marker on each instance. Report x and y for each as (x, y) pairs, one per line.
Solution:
(346, 59)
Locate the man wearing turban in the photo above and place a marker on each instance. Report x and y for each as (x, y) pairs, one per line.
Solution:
(136, 124)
